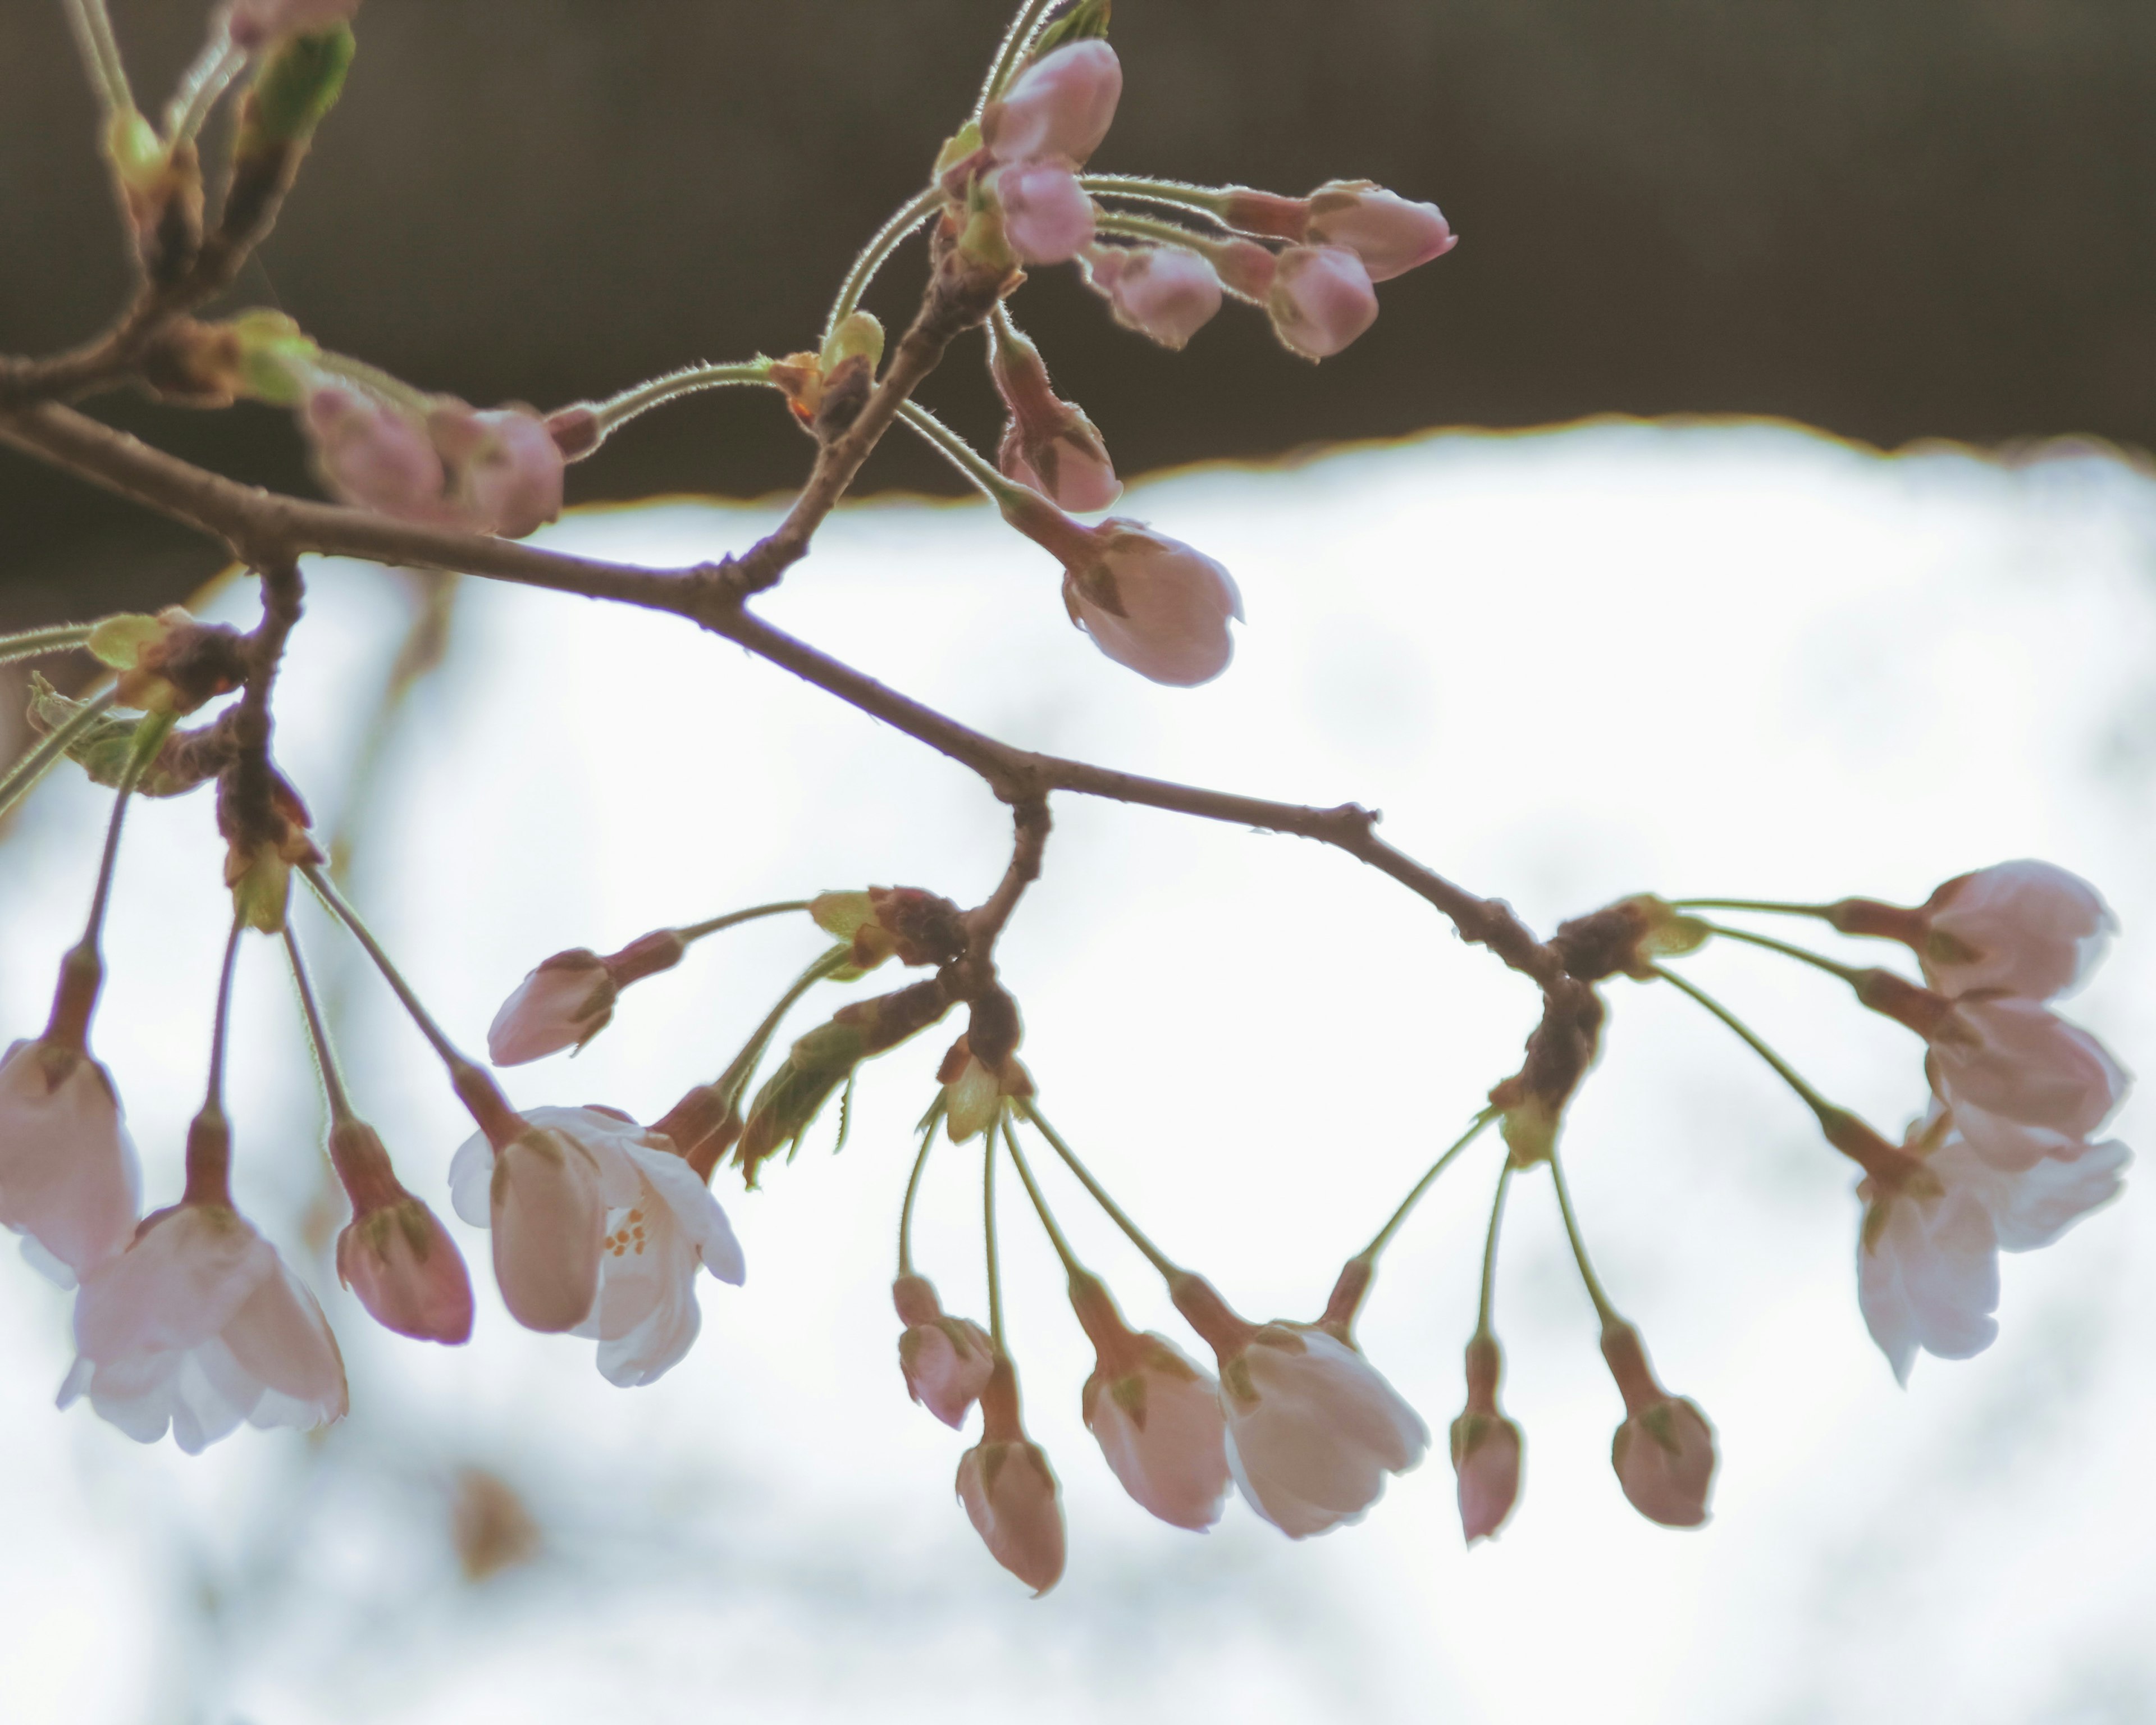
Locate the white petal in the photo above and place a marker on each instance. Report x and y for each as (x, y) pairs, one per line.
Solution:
(698, 1213)
(471, 1178)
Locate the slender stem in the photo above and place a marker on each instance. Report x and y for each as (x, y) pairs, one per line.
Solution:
(1158, 1259)
(1818, 961)
(1813, 1100)
(318, 1031)
(203, 82)
(1603, 1308)
(34, 643)
(149, 738)
(33, 765)
(617, 410)
(326, 891)
(1385, 1234)
(100, 50)
(1490, 1247)
(734, 1080)
(1178, 194)
(960, 453)
(1071, 1264)
(1774, 906)
(1016, 40)
(885, 240)
(696, 932)
(1132, 226)
(988, 1235)
(213, 1102)
(912, 1187)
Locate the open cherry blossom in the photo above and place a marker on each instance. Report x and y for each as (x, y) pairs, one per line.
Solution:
(600, 1228)
(197, 1326)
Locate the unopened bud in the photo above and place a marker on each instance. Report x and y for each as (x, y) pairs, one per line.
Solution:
(179, 665)
(857, 336)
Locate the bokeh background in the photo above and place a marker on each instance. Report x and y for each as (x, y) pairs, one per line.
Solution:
(1722, 657)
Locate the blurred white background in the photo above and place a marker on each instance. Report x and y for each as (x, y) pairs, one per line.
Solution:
(1714, 659)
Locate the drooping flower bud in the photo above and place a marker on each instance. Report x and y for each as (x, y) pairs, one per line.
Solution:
(1165, 293)
(69, 1179)
(1009, 1490)
(2016, 1059)
(1320, 299)
(2027, 928)
(394, 1253)
(1047, 217)
(946, 1360)
(508, 467)
(1389, 234)
(1149, 601)
(372, 456)
(1485, 1446)
(567, 1000)
(549, 1222)
(1664, 1452)
(1048, 445)
(1155, 1414)
(1061, 105)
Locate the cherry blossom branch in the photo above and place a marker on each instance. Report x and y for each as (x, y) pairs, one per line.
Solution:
(264, 525)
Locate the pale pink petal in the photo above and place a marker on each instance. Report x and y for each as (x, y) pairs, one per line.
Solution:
(1047, 218)
(563, 1004)
(1485, 1454)
(1062, 104)
(2016, 1058)
(280, 1338)
(695, 1211)
(1162, 1433)
(1389, 233)
(548, 1220)
(945, 1362)
(1313, 1429)
(69, 1179)
(2028, 929)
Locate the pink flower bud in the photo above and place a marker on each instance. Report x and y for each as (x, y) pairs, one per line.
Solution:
(1320, 299)
(508, 467)
(1154, 604)
(563, 1004)
(70, 1182)
(2027, 928)
(1048, 445)
(374, 457)
(1163, 292)
(1664, 1452)
(1062, 104)
(946, 1360)
(408, 1273)
(1009, 1491)
(253, 23)
(1047, 218)
(1155, 1414)
(1485, 1447)
(1389, 234)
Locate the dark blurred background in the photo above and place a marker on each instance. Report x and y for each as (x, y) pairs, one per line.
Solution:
(1891, 218)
